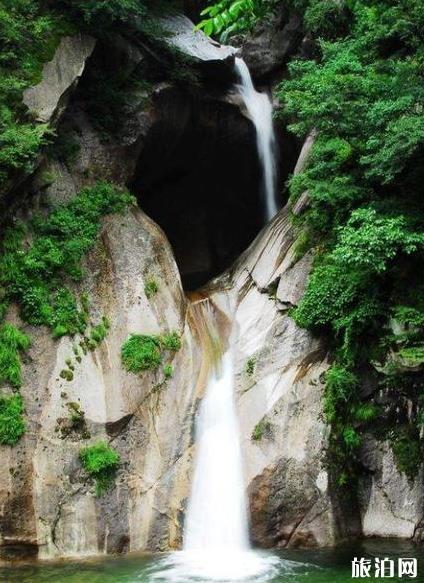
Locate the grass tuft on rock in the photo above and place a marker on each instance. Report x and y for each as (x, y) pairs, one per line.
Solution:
(151, 288)
(12, 342)
(141, 352)
(101, 462)
(12, 425)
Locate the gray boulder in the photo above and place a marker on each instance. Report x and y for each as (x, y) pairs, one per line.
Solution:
(47, 99)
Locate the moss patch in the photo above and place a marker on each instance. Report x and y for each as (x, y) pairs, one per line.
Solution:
(101, 462)
(12, 343)
(12, 425)
(142, 352)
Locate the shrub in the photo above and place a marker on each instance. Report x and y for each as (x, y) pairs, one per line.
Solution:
(341, 386)
(99, 332)
(12, 425)
(168, 371)
(141, 352)
(33, 274)
(151, 288)
(12, 342)
(408, 451)
(261, 429)
(228, 17)
(250, 366)
(101, 462)
(170, 341)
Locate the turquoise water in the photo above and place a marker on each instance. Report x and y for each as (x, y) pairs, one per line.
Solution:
(294, 566)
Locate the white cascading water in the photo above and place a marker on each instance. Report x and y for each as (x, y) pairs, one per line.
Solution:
(216, 516)
(216, 541)
(259, 108)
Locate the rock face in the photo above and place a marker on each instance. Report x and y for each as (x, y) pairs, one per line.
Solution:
(268, 49)
(47, 99)
(48, 507)
(193, 43)
(147, 419)
(391, 504)
(279, 389)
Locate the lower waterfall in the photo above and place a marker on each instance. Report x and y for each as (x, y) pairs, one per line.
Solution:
(216, 536)
(217, 516)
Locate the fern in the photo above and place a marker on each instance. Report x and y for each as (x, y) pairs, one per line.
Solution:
(229, 17)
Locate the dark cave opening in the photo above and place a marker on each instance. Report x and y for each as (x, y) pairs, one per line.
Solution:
(199, 178)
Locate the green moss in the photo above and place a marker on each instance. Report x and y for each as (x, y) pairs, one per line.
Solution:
(302, 244)
(66, 374)
(12, 425)
(366, 412)
(262, 428)
(341, 385)
(33, 274)
(99, 332)
(413, 355)
(101, 462)
(151, 288)
(407, 450)
(250, 366)
(168, 370)
(141, 352)
(65, 148)
(170, 341)
(12, 343)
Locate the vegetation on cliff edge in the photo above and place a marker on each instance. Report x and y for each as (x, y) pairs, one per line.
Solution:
(363, 95)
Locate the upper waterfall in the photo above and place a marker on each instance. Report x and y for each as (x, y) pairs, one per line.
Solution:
(259, 107)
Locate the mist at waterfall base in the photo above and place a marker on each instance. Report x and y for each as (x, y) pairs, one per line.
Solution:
(297, 566)
(259, 108)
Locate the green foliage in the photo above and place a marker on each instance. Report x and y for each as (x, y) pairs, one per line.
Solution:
(168, 370)
(29, 34)
(99, 332)
(12, 425)
(341, 384)
(33, 273)
(151, 288)
(12, 343)
(228, 17)
(302, 244)
(105, 13)
(108, 95)
(363, 95)
(371, 240)
(250, 366)
(101, 462)
(407, 450)
(141, 352)
(262, 428)
(170, 341)
(30, 31)
(326, 18)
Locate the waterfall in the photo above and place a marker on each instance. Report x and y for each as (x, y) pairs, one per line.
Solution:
(216, 541)
(217, 512)
(259, 108)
